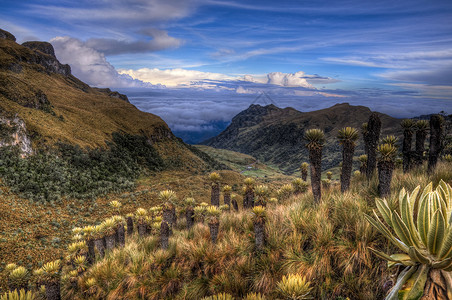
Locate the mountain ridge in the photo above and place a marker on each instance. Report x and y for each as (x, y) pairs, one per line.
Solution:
(275, 135)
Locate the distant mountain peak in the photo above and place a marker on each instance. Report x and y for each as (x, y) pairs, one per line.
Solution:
(275, 135)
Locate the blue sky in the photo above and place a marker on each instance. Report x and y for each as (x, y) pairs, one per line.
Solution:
(390, 55)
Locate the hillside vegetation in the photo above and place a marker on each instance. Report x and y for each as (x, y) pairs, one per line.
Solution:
(328, 243)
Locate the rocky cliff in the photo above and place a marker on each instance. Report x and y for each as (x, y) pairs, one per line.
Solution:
(275, 135)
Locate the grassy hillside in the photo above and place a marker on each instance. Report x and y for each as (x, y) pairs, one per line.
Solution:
(247, 165)
(60, 108)
(326, 242)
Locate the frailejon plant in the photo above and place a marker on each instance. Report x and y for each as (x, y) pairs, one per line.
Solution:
(423, 232)
(299, 186)
(189, 204)
(386, 159)
(222, 296)
(213, 216)
(88, 235)
(120, 230)
(248, 197)
(129, 218)
(347, 138)
(18, 295)
(227, 195)
(408, 126)
(99, 240)
(304, 171)
(109, 226)
(214, 179)
(168, 199)
(164, 235)
(262, 194)
(315, 140)
(422, 127)
(294, 287)
(285, 192)
(371, 140)
(390, 139)
(51, 278)
(363, 163)
(18, 278)
(140, 217)
(259, 218)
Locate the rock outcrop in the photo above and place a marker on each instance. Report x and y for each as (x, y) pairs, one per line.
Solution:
(6, 35)
(13, 132)
(45, 56)
(114, 94)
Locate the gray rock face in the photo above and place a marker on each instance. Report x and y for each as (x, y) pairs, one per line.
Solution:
(114, 94)
(6, 35)
(44, 47)
(14, 133)
(45, 56)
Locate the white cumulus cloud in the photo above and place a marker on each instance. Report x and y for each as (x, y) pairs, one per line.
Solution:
(175, 77)
(90, 65)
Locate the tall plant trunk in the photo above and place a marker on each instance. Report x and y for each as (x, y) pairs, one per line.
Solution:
(436, 141)
(169, 216)
(53, 290)
(227, 199)
(142, 232)
(304, 175)
(248, 200)
(99, 243)
(362, 169)
(259, 233)
(315, 157)
(347, 165)
(214, 226)
(190, 217)
(372, 138)
(91, 253)
(235, 205)
(164, 235)
(129, 226)
(421, 136)
(436, 285)
(215, 194)
(110, 241)
(121, 235)
(385, 170)
(406, 149)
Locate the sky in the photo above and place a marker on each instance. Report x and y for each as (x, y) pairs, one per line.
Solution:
(195, 62)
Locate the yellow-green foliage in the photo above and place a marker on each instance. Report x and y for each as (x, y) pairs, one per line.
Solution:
(21, 295)
(347, 134)
(422, 231)
(167, 196)
(249, 181)
(294, 287)
(387, 152)
(222, 296)
(19, 275)
(214, 177)
(315, 138)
